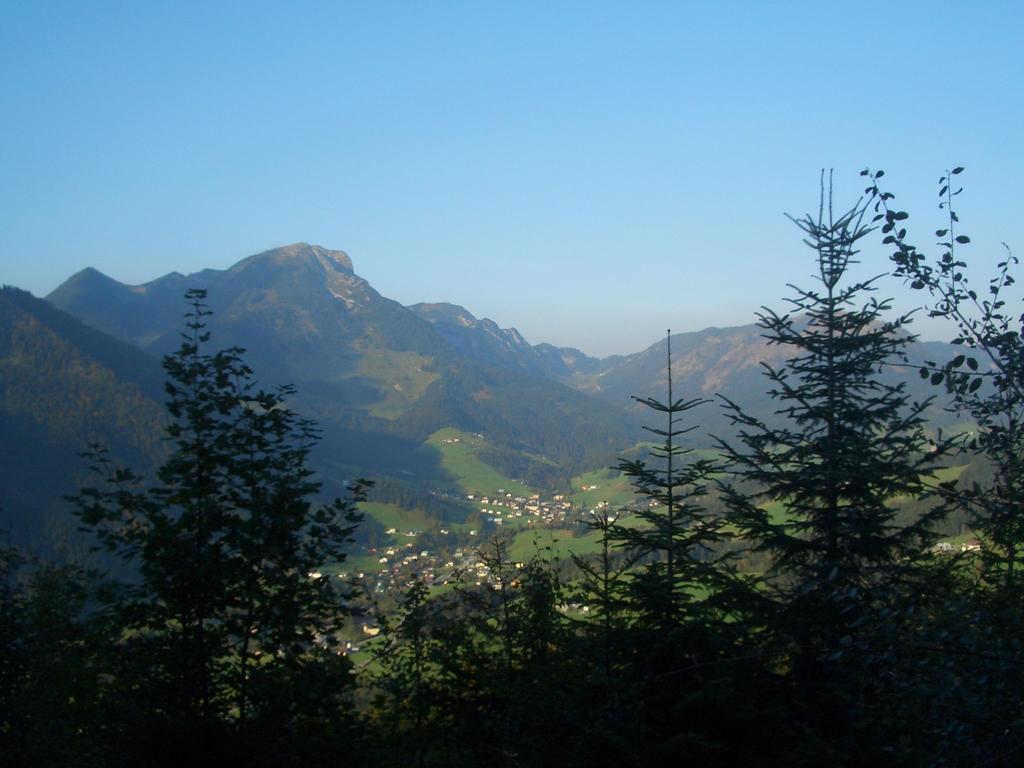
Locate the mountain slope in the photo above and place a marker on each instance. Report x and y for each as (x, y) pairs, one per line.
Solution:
(377, 376)
(380, 378)
(64, 385)
(705, 363)
(483, 340)
(729, 362)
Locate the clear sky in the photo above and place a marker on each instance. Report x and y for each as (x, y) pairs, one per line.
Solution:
(591, 173)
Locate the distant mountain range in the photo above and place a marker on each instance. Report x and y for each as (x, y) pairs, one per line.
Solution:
(379, 377)
(706, 363)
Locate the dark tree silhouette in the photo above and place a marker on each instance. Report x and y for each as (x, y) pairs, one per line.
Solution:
(844, 445)
(987, 381)
(230, 625)
(683, 576)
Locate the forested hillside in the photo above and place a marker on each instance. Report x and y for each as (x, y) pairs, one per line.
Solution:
(794, 597)
(64, 385)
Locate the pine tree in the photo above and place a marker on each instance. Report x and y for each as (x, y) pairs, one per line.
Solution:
(682, 597)
(601, 588)
(843, 446)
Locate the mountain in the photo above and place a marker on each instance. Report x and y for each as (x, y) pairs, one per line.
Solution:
(506, 348)
(62, 386)
(714, 360)
(706, 363)
(380, 378)
(377, 376)
(730, 362)
(290, 305)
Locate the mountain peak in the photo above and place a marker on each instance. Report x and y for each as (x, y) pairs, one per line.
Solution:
(88, 281)
(91, 275)
(300, 253)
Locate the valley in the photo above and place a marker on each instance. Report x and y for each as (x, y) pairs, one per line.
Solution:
(491, 460)
(441, 408)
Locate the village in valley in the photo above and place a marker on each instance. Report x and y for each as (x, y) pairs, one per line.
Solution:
(527, 524)
(506, 513)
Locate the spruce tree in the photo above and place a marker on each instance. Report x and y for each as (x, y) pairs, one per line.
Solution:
(843, 445)
(601, 588)
(682, 577)
(682, 598)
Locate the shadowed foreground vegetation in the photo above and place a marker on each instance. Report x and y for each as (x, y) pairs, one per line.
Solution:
(803, 618)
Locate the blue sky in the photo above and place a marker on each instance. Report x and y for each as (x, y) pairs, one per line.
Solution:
(591, 173)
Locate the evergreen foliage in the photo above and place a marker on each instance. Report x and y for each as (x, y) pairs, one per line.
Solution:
(602, 587)
(229, 626)
(844, 445)
(680, 537)
(52, 711)
(484, 674)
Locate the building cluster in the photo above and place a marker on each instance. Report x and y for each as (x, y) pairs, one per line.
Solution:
(457, 556)
(504, 507)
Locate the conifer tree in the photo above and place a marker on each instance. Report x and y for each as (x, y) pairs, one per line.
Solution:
(602, 589)
(682, 597)
(844, 446)
(683, 576)
(229, 619)
(51, 700)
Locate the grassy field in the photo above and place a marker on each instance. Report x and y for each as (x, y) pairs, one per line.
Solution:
(777, 511)
(357, 564)
(611, 487)
(547, 542)
(459, 460)
(561, 542)
(614, 487)
(393, 516)
(949, 473)
(401, 376)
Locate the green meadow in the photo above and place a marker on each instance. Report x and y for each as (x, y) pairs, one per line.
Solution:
(460, 461)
